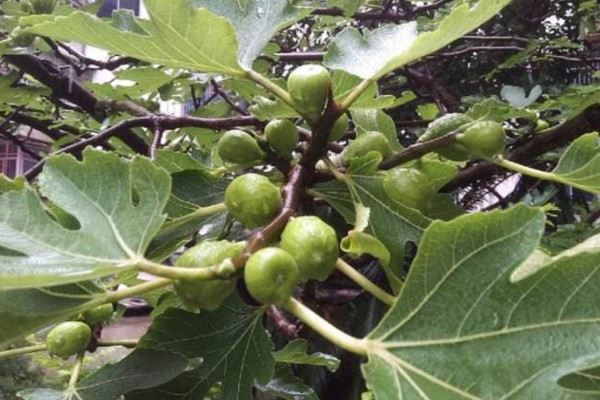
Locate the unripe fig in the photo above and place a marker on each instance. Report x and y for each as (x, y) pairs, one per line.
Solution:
(314, 246)
(410, 187)
(252, 199)
(339, 129)
(68, 338)
(43, 6)
(21, 38)
(26, 7)
(203, 294)
(367, 142)
(448, 123)
(98, 315)
(271, 275)
(308, 86)
(541, 125)
(239, 148)
(283, 136)
(483, 140)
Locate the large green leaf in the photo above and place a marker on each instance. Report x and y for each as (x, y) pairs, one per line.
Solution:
(287, 386)
(192, 189)
(231, 343)
(390, 47)
(177, 35)
(296, 352)
(375, 120)
(19, 96)
(349, 6)
(461, 330)
(142, 369)
(98, 192)
(255, 22)
(390, 222)
(25, 311)
(343, 83)
(585, 384)
(266, 109)
(7, 184)
(580, 165)
(193, 186)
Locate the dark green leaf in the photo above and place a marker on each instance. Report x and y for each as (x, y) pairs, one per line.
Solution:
(296, 352)
(231, 343)
(98, 193)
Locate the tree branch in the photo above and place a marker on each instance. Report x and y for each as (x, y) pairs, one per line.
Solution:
(417, 151)
(560, 135)
(149, 122)
(64, 87)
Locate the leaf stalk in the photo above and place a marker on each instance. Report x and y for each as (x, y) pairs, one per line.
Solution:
(325, 329)
(363, 282)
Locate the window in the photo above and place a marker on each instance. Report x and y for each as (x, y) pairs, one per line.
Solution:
(13, 161)
(9, 159)
(110, 5)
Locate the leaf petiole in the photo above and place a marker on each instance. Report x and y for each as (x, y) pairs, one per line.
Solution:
(22, 350)
(535, 173)
(132, 343)
(325, 329)
(363, 282)
(76, 372)
(145, 287)
(355, 94)
(200, 212)
(334, 171)
(271, 87)
(218, 271)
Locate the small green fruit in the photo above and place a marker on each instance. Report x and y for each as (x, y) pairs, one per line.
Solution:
(252, 199)
(26, 7)
(43, 6)
(367, 142)
(339, 129)
(239, 148)
(203, 294)
(541, 125)
(410, 187)
(442, 126)
(98, 315)
(483, 140)
(271, 275)
(314, 246)
(308, 86)
(20, 38)
(68, 338)
(283, 136)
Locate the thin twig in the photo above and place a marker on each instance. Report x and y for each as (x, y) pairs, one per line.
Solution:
(289, 329)
(166, 123)
(156, 140)
(417, 150)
